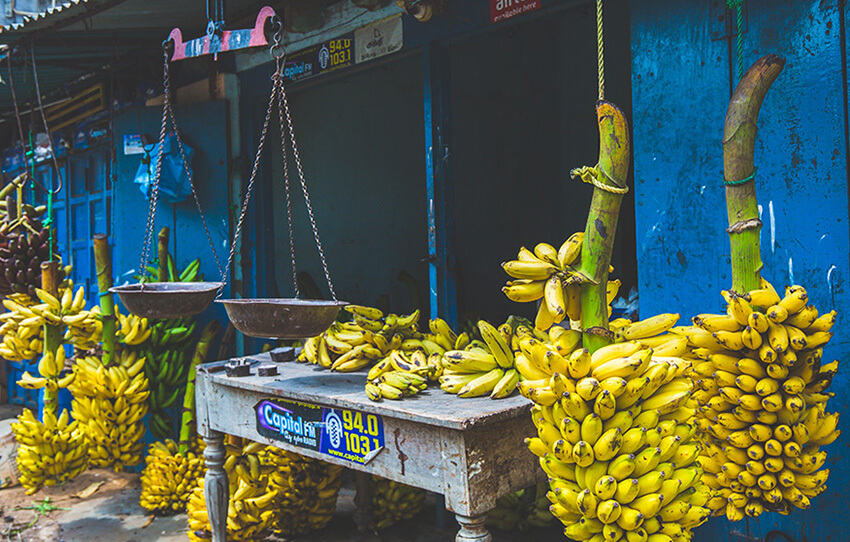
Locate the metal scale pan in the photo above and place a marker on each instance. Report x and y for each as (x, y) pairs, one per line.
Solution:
(281, 318)
(167, 299)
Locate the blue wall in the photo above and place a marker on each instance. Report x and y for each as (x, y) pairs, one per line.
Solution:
(681, 85)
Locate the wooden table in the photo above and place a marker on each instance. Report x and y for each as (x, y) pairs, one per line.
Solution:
(469, 450)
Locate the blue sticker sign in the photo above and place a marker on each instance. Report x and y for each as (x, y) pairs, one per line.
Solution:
(343, 433)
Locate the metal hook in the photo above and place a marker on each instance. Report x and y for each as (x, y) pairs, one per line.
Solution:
(52, 192)
(277, 50)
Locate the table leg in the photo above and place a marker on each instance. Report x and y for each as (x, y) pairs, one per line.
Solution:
(472, 529)
(362, 501)
(216, 488)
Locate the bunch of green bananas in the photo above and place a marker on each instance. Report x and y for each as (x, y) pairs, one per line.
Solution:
(169, 352)
(307, 491)
(762, 400)
(482, 367)
(392, 502)
(615, 438)
(370, 336)
(48, 453)
(169, 477)
(110, 402)
(550, 275)
(522, 510)
(251, 513)
(23, 325)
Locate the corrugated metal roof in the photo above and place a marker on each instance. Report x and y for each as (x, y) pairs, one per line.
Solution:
(25, 21)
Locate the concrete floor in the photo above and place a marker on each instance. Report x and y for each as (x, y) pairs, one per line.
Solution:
(113, 514)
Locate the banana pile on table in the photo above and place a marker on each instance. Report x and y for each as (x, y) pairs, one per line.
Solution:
(525, 509)
(762, 394)
(169, 477)
(307, 491)
(21, 255)
(370, 336)
(251, 512)
(551, 275)
(48, 453)
(392, 502)
(110, 402)
(23, 324)
(485, 367)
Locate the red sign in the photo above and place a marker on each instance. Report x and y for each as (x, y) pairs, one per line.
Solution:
(502, 10)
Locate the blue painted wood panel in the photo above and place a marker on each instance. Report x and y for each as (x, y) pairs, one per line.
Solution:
(681, 82)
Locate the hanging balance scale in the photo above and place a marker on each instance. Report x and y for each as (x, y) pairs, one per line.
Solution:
(283, 318)
(263, 318)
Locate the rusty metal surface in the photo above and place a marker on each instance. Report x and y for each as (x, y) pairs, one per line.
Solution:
(304, 382)
(167, 299)
(281, 318)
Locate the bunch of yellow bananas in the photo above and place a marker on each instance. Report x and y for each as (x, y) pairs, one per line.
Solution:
(50, 368)
(392, 502)
(398, 375)
(307, 491)
(48, 453)
(251, 513)
(20, 342)
(169, 477)
(615, 437)
(132, 330)
(110, 402)
(485, 367)
(350, 346)
(762, 400)
(549, 274)
(522, 510)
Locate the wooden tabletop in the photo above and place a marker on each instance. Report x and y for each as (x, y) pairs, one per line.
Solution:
(312, 384)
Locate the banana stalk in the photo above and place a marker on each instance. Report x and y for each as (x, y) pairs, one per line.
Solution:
(614, 155)
(103, 265)
(188, 421)
(162, 254)
(52, 333)
(739, 137)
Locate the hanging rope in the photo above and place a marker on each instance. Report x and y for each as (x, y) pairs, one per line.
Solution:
(600, 50)
(738, 6)
(50, 193)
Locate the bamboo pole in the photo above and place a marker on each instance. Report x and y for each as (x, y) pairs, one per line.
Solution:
(739, 136)
(188, 420)
(103, 265)
(614, 155)
(162, 254)
(52, 333)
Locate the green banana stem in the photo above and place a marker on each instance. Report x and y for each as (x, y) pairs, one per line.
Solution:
(739, 136)
(162, 254)
(188, 421)
(103, 265)
(614, 156)
(52, 333)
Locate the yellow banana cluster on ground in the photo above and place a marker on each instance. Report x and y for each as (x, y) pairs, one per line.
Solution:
(482, 367)
(550, 275)
(762, 393)
(110, 402)
(48, 453)
(251, 512)
(615, 437)
(351, 346)
(392, 502)
(522, 510)
(169, 477)
(307, 491)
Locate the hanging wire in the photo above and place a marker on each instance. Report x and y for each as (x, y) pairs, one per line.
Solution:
(17, 110)
(600, 50)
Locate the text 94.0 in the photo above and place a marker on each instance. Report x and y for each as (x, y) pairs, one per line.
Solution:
(340, 52)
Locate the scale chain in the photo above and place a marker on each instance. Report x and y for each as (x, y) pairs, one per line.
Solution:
(304, 190)
(275, 90)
